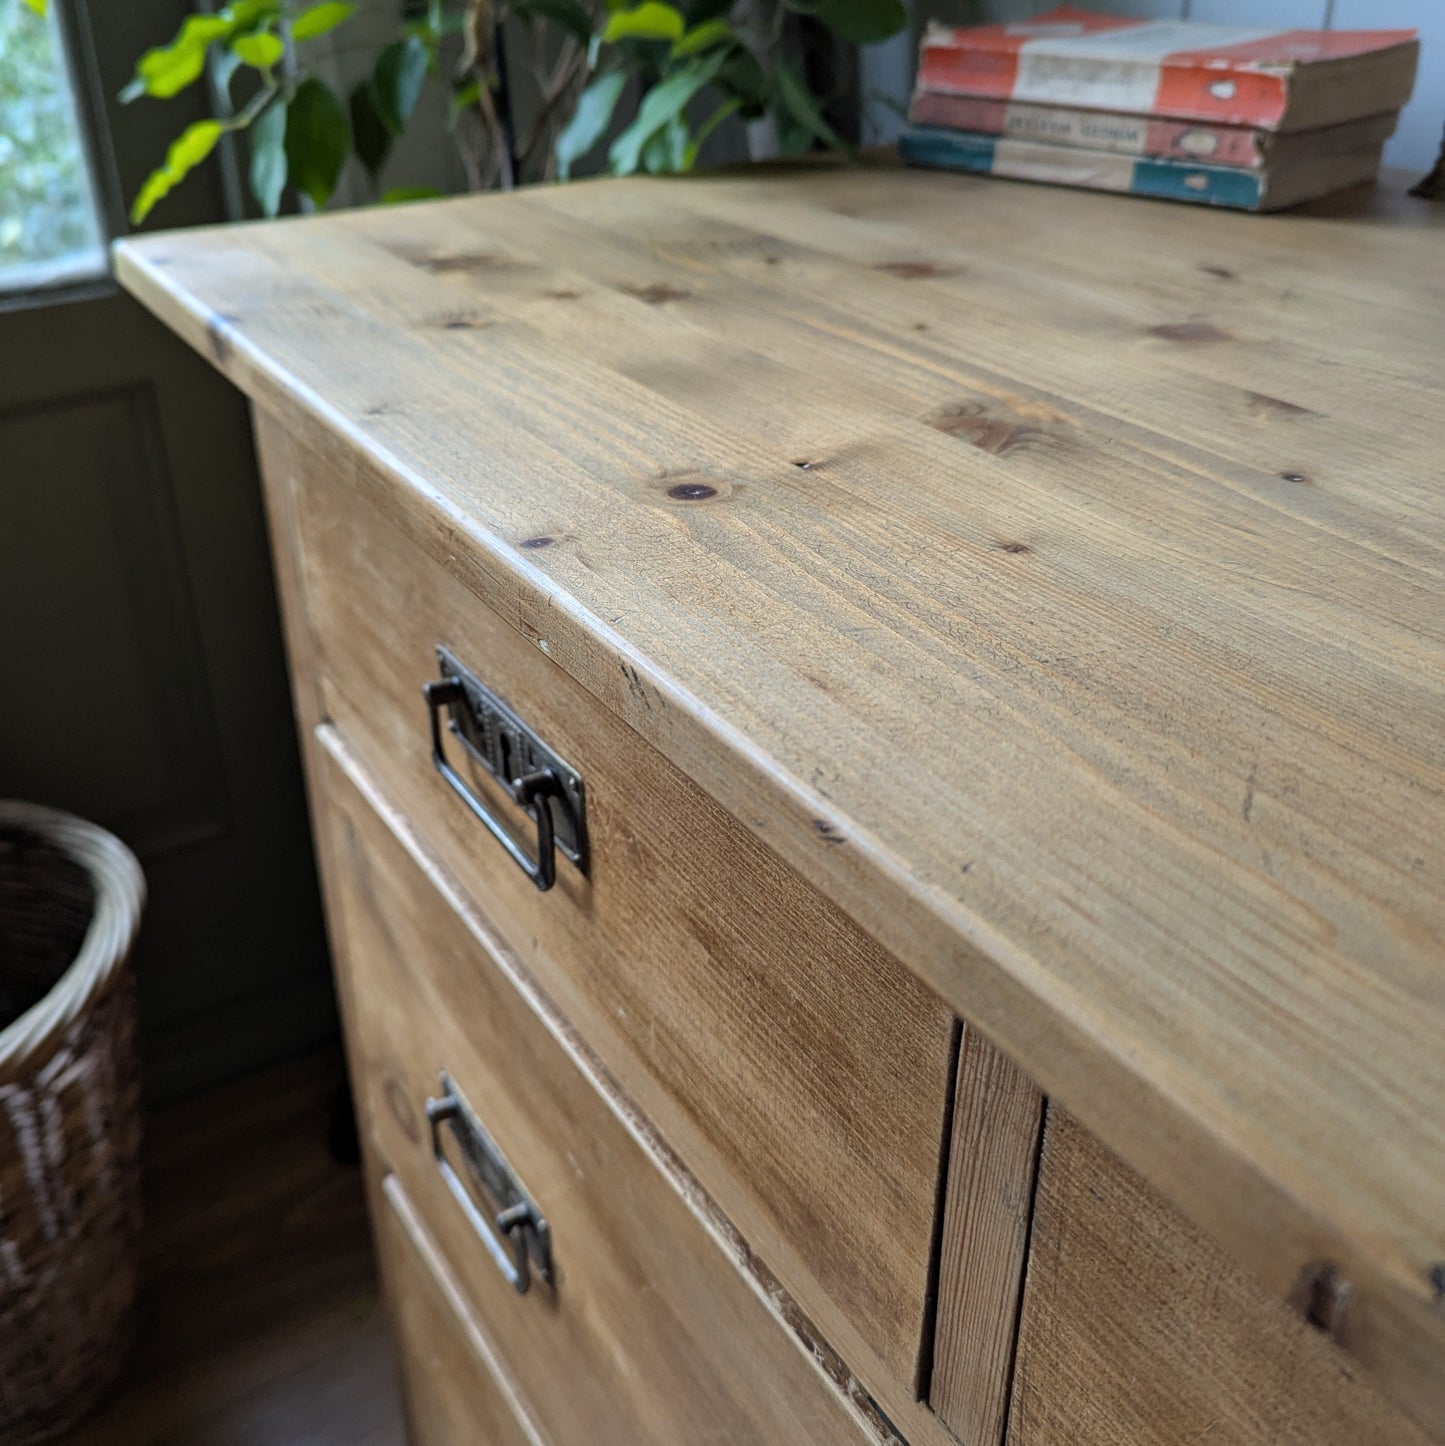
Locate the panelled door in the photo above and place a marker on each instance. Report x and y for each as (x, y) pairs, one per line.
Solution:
(141, 673)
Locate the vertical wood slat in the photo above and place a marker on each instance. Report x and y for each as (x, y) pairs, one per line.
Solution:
(992, 1156)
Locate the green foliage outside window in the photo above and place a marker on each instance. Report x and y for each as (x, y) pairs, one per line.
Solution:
(46, 213)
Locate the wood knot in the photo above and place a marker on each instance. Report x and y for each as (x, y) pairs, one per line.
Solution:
(657, 294)
(990, 431)
(218, 332)
(913, 270)
(1322, 1296)
(689, 485)
(1292, 476)
(533, 543)
(462, 261)
(1261, 404)
(1190, 333)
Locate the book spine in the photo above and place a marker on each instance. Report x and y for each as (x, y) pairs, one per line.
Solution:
(959, 112)
(1213, 185)
(1210, 92)
(1173, 140)
(1189, 89)
(1094, 170)
(1133, 135)
(929, 146)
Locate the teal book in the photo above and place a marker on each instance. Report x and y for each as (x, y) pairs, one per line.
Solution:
(1267, 189)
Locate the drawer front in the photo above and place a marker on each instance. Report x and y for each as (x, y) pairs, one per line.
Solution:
(798, 1069)
(646, 1331)
(454, 1397)
(1139, 1331)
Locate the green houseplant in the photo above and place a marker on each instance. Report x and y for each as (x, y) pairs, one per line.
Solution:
(690, 65)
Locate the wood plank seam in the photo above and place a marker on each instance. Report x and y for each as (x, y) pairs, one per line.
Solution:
(923, 1376)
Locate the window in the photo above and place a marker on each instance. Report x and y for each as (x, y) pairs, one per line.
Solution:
(49, 228)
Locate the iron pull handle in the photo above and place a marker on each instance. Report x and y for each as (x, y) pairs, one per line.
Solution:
(515, 1234)
(530, 793)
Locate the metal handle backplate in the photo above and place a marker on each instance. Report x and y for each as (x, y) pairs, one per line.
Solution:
(540, 782)
(510, 1226)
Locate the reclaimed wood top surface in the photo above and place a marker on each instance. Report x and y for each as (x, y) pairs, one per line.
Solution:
(1057, 580)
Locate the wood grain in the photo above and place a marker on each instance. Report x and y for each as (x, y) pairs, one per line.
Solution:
(997, 1114)
(803, 1074)
(657, 1334)
(1103, 625)
(456, 1394)
(1139, 1331)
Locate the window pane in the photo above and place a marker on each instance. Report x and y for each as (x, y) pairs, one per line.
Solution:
(48, 226)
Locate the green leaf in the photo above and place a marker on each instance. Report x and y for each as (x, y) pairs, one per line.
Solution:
(369, 135)
(245, 13)
(800, 105)
(399, 195)
(267, 137)
(741, 76)
(723, 111)
(463, 100)
(40, 7)
(317, 139)
(260, 51)
(437, 23)
(186, 152)
(652, 20)
(396, 81)
(589, 121)
(666, 152)
(862, 22)
(566, 15)
(654, 153)
(793, 139)
(321, 18)
(166, 70)
(704, 37)
(667, 99)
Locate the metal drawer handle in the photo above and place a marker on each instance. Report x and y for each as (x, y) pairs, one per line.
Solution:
(516, 1219)
(539, 782)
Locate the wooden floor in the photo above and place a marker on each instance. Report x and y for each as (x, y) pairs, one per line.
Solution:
(261, 1323)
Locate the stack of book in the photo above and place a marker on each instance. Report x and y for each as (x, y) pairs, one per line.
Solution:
(1255, 119)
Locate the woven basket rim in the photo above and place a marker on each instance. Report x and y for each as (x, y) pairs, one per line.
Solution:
(119, 899)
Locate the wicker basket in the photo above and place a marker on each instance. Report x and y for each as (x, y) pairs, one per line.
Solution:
(70, 903)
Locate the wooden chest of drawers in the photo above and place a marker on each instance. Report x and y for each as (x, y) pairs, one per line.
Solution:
(825, 601)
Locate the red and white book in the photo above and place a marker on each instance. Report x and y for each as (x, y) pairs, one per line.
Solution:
(1121, 133)
(1280, 80)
